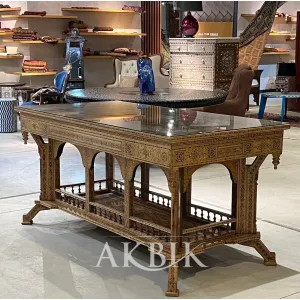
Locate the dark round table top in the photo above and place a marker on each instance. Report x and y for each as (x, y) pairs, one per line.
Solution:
(169, 97)
(28, 87)
(11, 84)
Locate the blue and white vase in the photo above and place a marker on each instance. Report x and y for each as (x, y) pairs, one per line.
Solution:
(146, 76)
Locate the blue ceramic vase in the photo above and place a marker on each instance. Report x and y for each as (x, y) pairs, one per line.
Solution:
(146, 76)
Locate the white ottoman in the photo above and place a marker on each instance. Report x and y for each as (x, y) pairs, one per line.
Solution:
(8, 115)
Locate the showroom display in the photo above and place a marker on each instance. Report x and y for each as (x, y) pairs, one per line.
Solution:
(137, 138)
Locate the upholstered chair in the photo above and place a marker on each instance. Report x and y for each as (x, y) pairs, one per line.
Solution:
(60, 86)
(238, 96)
(60, 83)
(126, 73)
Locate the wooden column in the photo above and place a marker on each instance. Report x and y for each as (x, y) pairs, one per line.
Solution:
(297, 54)
(294, 104)
(151, 25)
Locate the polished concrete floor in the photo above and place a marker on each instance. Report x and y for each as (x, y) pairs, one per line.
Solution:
(57, 257)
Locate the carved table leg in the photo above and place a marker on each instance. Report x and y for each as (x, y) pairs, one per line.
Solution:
(27, 218)
(88, 159)
(246, 207)
(268, 256)
(25, 137)
(172, 281)
(128, 167)
(110, 169)
(145, 172)
(49, 175)
(175, 187)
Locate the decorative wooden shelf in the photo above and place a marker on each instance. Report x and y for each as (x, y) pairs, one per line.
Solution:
(253, 15)
(278, 53)
(99, 10)
(111, 33)
(6, 33)
(11, 56)
(7, 17)
(10, 9)
(50, 73)
(98, 56)
(30, 42)
(282, 34)
(291, 39)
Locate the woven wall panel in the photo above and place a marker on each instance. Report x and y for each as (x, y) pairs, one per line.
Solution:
(151, 25)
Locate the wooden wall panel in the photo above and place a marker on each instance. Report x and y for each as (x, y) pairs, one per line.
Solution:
(151, 25)
(297, 55)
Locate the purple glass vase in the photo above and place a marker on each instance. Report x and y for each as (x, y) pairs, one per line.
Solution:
(189, 25)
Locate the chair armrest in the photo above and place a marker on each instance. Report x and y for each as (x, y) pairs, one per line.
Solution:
(164, 72)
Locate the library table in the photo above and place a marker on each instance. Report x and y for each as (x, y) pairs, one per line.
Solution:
(179, 141)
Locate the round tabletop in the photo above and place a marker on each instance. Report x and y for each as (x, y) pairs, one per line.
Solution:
(11, 84)
(169, 97)
(282, 94)
(28, 87)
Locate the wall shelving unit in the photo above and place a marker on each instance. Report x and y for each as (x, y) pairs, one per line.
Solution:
(99, 10)
(10, 9)
(279, 53)
(6, 36)
(283, 36)
(11, 56)
(6, 33)
(98, 57)
(48, 73)
(13, 17)
(111, 33)
(31, 42)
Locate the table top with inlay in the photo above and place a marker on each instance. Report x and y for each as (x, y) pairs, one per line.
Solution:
(168, 97)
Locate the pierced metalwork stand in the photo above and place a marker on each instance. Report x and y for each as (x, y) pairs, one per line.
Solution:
(74, 57)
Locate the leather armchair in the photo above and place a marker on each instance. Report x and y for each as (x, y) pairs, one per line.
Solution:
(238, 96)
(128, 68)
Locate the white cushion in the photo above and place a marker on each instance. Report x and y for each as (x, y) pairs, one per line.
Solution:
(129, 68)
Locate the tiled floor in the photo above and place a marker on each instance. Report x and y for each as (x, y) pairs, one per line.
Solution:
(57, 256)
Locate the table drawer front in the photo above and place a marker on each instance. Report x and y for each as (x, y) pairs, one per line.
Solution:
(181, 60)
(200, 48)
(196, 75)
(178, 46)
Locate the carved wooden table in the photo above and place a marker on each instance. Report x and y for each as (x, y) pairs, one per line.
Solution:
(179, 141)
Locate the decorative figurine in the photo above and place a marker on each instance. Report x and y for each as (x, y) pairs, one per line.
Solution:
(146, 76)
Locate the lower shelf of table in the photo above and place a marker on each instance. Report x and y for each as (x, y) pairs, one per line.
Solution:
(151, 218)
